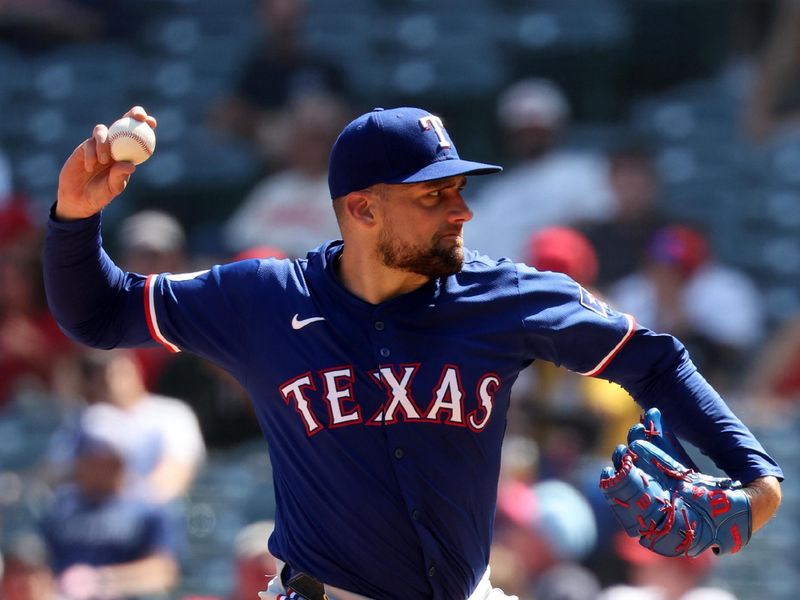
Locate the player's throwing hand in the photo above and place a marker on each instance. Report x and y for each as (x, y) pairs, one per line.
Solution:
(672, 509)
(91, 179)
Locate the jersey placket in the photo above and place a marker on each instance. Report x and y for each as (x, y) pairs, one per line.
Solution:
(399, 412)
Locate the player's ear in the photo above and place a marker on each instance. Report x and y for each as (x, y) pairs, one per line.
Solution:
(360, 207)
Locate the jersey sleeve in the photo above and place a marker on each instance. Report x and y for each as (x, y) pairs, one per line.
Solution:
(100, 305)
(657, 371)
(570, 326)
(93, 301)
(205, 312)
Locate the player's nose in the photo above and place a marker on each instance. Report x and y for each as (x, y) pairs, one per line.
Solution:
(458, 209)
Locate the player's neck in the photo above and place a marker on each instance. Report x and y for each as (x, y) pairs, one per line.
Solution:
(365, 276)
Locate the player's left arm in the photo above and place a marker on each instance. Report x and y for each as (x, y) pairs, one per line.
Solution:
(569, 326)
(657, 371)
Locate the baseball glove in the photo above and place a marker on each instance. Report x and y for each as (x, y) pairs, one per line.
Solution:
(658, 495)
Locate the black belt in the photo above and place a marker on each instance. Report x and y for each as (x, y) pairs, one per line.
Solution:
(302, 583)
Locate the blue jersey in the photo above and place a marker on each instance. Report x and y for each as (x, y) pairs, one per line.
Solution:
(385, 422)
(110, 532)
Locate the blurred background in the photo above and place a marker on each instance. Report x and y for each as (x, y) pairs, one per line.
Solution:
(652, 152)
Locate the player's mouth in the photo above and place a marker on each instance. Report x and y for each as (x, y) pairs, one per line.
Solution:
(456, 237)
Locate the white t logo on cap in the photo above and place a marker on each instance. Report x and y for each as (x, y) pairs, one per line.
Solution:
(432, 121)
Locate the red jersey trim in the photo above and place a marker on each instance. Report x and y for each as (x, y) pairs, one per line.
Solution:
(608, 357)
(150, 315)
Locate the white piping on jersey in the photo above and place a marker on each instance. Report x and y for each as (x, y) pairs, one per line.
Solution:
(607, 358)
(152, 320)
(185, 276)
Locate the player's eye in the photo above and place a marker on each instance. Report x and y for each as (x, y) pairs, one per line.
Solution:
(430, 199)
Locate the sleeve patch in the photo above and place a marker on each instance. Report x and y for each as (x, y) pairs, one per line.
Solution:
(593, 303)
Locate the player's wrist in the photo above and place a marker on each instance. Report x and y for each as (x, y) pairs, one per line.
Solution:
(64, 212)
(765, 498)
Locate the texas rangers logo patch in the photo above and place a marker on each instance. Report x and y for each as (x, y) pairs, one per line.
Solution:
(593, 303)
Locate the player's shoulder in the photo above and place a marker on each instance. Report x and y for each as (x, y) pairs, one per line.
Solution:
(481, 270)
(489, 279)
(477, 262)
(264, 282)
(266, 271)
(256, 267)
(480, 266)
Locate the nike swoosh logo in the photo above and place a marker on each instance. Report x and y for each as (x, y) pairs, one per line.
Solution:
(300, 323)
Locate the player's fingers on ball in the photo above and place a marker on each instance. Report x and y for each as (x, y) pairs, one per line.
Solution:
(102, 149)
(137, 112)
(89, 148)
(100, 133)
(151, 120)
(118, 176)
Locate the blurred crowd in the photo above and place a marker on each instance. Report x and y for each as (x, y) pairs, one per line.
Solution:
(101, 451)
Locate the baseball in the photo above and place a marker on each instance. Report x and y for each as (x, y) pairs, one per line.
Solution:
(131, 140)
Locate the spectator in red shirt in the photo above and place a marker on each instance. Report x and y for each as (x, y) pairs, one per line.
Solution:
(31, 343)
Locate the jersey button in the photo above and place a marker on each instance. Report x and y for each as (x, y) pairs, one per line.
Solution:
(431, 571)
(399, 453)
(415, 514)
(385, 352)
(379, 325)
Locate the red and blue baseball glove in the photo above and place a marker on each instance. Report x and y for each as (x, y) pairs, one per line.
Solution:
(658, 495)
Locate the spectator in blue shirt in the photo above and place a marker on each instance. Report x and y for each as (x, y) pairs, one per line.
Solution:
(104, 542)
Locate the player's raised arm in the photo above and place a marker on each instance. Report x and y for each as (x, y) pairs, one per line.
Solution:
(93, 300)
(90, 178)
(100, 305)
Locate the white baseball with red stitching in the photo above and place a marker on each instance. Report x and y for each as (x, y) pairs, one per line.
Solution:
(131, 140)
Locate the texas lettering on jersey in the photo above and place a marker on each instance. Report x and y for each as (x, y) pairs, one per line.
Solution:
(448, 402)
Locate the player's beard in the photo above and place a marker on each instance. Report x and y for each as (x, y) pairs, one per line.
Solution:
(440, 259)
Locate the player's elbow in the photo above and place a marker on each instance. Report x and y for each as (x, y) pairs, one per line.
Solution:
(86, 336)
(765, 498)
(772, 488)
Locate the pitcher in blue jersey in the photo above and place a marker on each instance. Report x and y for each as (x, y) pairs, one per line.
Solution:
(380, 366)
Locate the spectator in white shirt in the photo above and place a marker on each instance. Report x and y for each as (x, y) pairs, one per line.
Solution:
(547, 183)
(291, 209)
(110, 381)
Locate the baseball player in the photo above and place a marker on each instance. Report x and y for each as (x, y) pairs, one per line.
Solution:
(380, 365)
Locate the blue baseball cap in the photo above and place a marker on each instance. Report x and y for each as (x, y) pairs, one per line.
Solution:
(398, 145)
